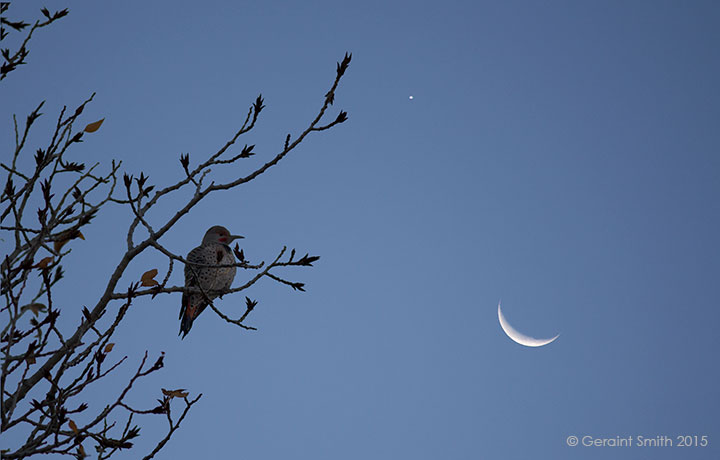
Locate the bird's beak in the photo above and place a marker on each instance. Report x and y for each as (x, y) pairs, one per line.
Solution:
(235, 237)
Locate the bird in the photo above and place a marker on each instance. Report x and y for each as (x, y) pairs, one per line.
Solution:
(212, 281)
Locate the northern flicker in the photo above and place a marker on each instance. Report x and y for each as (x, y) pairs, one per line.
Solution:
(214, 250)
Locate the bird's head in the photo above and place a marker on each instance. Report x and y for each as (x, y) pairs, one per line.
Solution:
(219, 234)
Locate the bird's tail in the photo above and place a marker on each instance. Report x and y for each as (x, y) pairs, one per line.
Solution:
(188, 315)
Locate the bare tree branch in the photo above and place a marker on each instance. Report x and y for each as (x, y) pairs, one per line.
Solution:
(11, 60)
(44, 209)
(36, 354)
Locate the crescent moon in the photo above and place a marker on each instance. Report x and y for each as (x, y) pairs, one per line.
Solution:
(518, 336)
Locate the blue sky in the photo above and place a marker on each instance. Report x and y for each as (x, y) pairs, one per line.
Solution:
(560, 156)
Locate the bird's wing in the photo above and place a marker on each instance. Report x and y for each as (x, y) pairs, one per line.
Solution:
(199, 256)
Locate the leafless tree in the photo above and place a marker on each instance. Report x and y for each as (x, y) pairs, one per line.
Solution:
(46, 370)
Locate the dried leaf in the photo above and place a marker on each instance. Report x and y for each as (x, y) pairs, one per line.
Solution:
(109, 347)
(307, 260)
(81, 452)
(36, 308)
(115, 443)
(159, 363)
(92, 127)
(185, 162)
(162, 408)
(73, 427)
(66, 236)
(342, 117)
(181, 393)
(44, 263)
(147, 278)
(30, 359)
(239, 253)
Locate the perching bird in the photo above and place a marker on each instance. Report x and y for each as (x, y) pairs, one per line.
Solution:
(214, 250)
